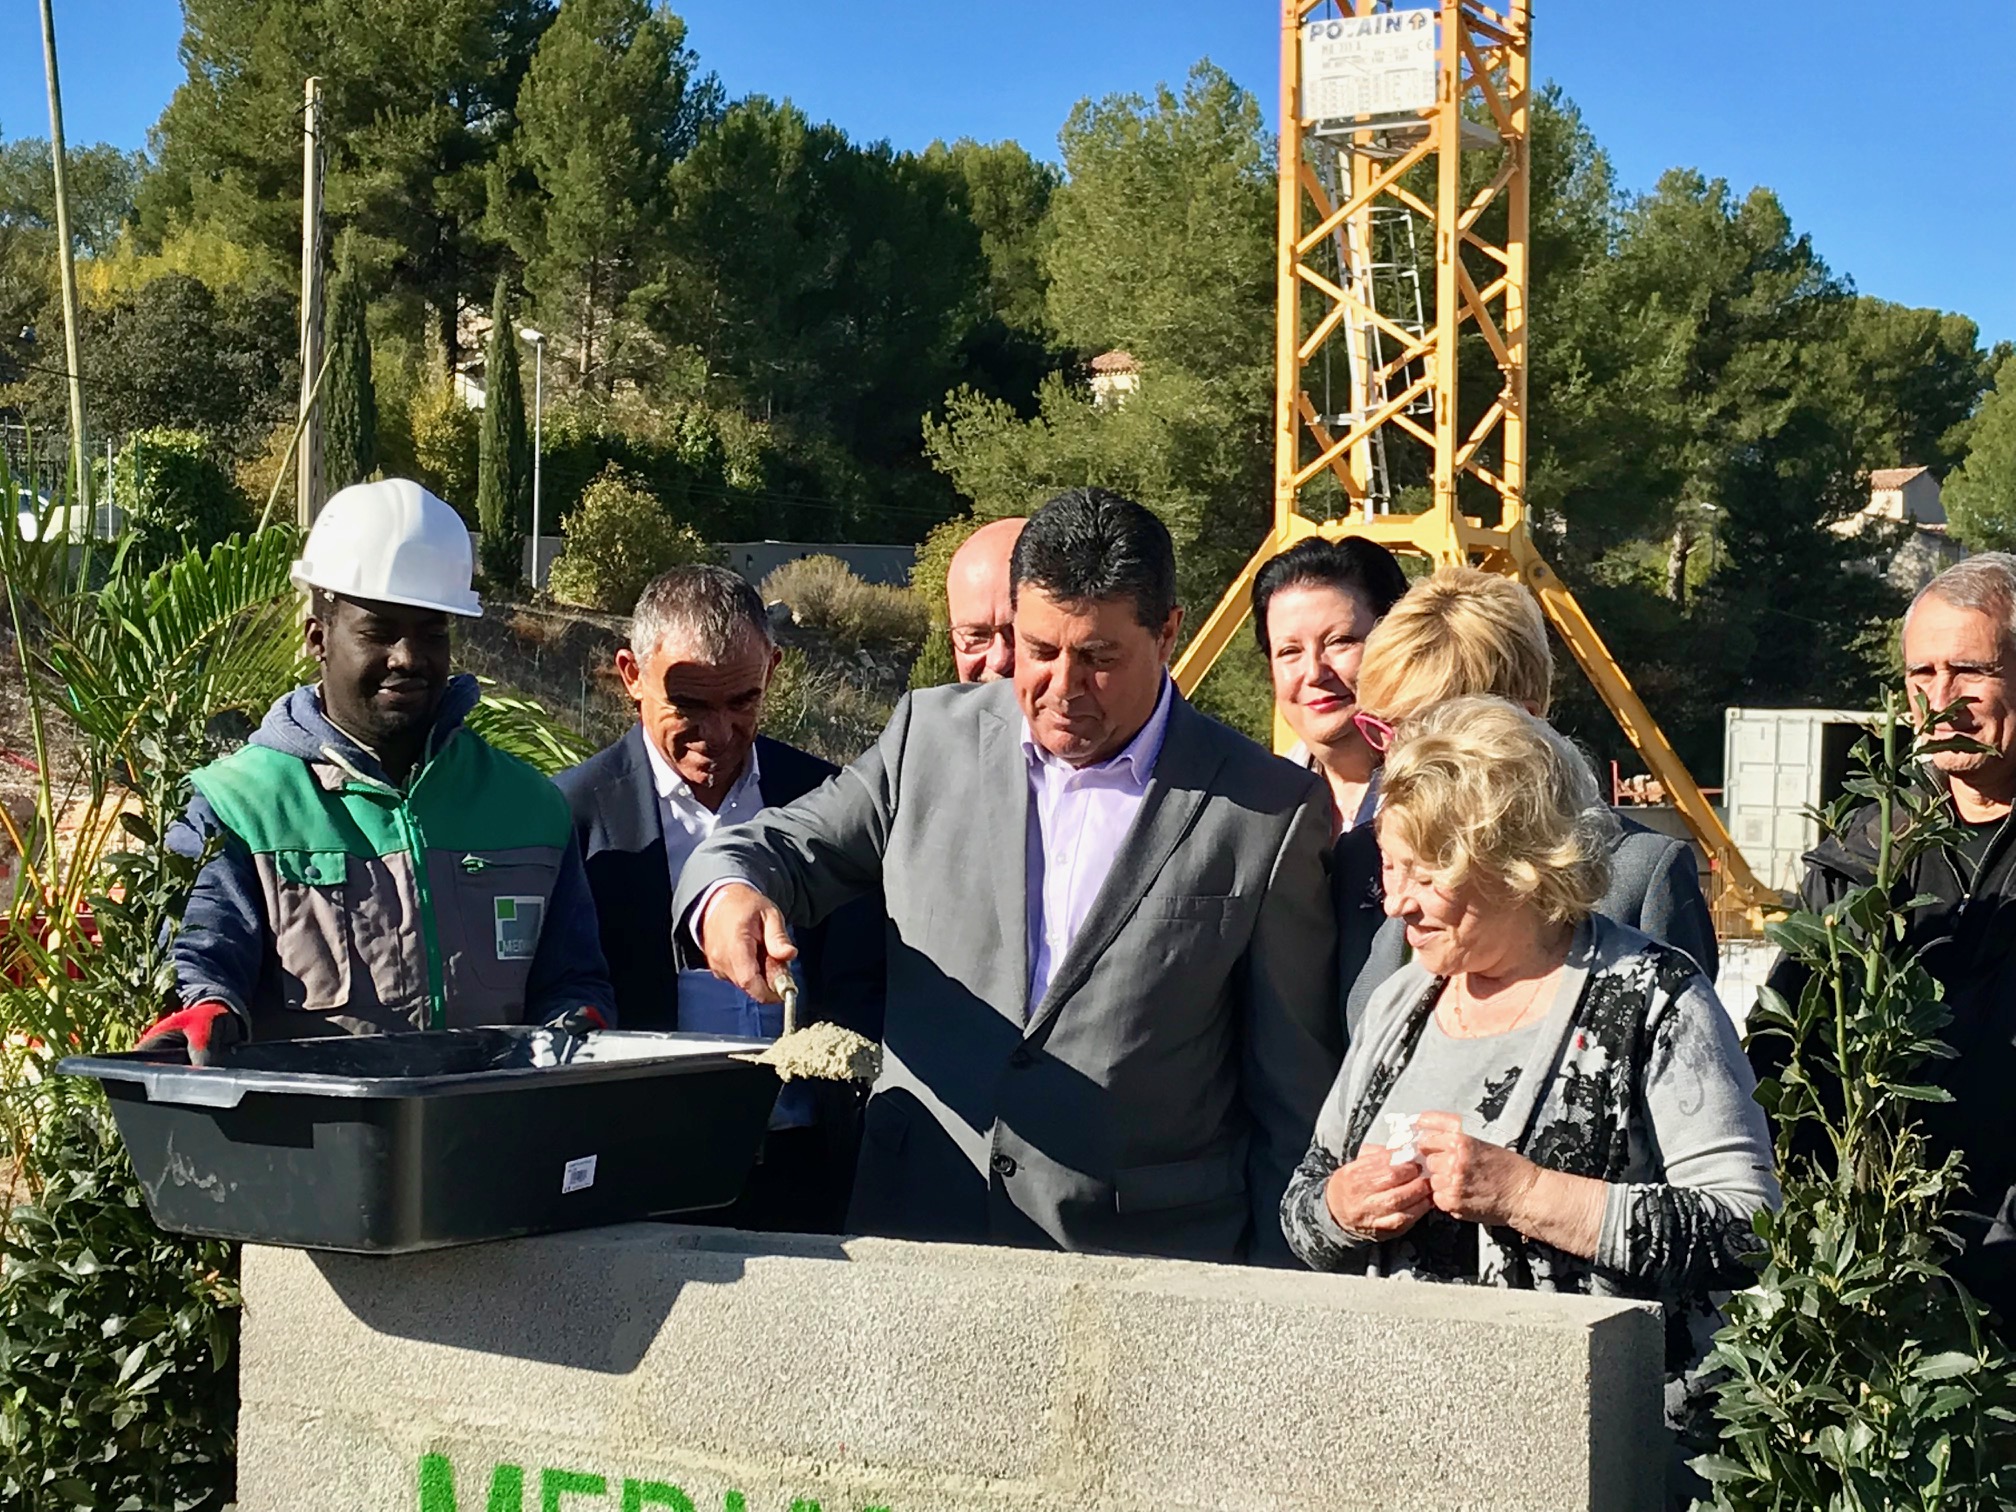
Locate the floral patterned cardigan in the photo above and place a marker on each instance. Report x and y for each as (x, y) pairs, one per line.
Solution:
(1642, 1084)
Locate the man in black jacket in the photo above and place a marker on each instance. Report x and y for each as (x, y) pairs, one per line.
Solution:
(1959, 644)
(699, 662)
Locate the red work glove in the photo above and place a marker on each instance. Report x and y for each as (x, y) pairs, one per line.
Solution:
(205, 1030)
(579, 1022)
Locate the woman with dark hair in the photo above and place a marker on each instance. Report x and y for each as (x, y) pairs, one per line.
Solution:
(1313, 606)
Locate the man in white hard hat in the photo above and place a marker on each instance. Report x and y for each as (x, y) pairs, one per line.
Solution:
(378, 867)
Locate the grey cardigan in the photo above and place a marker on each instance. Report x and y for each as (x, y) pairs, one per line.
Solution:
(1644, 1087)
(1654, 886)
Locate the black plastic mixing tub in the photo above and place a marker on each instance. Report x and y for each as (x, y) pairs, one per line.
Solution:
(396, 1142)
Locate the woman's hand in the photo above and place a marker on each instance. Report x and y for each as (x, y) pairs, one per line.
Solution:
(1373, 1198)
(1471, 1179)
(1479, 1182)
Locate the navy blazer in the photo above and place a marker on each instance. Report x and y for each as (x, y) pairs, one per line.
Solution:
(622, 836)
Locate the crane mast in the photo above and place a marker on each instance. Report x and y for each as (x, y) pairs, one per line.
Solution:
(1405, 125)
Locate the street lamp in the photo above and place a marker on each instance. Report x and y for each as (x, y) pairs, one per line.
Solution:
(538, 340)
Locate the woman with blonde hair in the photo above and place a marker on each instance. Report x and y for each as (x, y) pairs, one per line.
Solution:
(1461, 632)
(1541, 1098)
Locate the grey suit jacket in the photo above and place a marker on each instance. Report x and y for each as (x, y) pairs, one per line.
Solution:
(1159, 1096)
(1655, 888)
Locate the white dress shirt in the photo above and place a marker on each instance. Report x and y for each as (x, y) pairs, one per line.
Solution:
(1078, 817)
(708, 1005)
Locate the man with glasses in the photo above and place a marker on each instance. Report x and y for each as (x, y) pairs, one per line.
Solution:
(1959, 645)
(980, 604)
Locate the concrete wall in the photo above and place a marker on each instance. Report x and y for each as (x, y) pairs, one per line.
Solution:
(756, 560)
(695, 1369)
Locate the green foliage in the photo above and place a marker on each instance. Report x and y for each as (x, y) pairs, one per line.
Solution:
(1860, 1373)
(118, 1343)
(173, 353)
(826, 596)
(176, 496)
(1161, 238)
(348, 402)
(1174, 446)
(504, 458)
(446, 445)
(818, 280)
(618, 539)
(418, 99)
(1006, 193)
(610, 103)
(101, 180)
(521, 727)
(1981, 497)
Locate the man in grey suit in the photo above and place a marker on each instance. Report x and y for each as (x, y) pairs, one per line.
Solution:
(1111, 1015)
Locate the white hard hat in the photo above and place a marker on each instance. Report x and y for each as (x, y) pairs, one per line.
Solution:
(392, 541)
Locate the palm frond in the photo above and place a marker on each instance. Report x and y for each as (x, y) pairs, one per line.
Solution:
(521, 727)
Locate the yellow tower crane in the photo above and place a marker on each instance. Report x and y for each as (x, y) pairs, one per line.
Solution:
(1379, 105)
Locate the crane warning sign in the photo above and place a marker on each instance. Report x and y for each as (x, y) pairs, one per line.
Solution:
(1368, 65)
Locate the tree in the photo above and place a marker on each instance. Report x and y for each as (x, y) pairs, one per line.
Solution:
(612, 100)
(174, 353)
(102, 184)
(1006, 194)
(349, 406)
(820, 281)
(504, 463)
(102, 181)
(618, 539)
(418, 97)
(1160, 241)
(1161, 238)
(1981, 497)
(176, 497)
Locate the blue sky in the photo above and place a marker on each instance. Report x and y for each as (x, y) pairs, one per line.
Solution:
(1885, 128)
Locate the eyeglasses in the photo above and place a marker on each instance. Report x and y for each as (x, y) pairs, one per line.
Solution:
(1377, 733)
(971, 640)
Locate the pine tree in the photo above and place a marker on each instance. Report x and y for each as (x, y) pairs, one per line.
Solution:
(612, 100)
(504, 467)
(349, 408)
(1981, 496)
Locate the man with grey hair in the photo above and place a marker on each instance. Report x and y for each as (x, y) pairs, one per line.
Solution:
(1959, 643)
(698, 665)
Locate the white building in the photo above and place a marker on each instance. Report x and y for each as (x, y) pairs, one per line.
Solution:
(1115, 375)
(1909, 496)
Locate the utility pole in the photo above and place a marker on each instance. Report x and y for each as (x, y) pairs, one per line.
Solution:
(66, 261)
(538, 341)
(308, 460)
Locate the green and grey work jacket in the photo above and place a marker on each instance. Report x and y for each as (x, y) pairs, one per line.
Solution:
(339, 902)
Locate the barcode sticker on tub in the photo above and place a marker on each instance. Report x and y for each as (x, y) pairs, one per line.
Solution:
(578, 1175)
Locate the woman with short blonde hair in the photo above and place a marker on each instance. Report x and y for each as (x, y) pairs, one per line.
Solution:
(1461, 632)
(1457, 632)
(1541, 1098)
(1490, 799)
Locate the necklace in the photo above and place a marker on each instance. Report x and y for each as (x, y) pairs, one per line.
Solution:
(1463, 996)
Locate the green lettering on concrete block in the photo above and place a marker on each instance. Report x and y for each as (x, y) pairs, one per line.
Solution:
(554, 1484)
(637, 1495)
(733, 1502)
(804, 1506)
(437, 1486)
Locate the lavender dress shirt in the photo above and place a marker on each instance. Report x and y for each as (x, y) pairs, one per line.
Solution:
(1077, 818)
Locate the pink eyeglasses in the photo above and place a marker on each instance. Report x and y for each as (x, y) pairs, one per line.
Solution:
(1378, 734)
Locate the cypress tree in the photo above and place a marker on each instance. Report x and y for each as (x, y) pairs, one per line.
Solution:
(349, 408)
(504, 462)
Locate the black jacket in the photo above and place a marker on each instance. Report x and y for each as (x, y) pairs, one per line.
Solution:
(622, 837)
(1968, 934)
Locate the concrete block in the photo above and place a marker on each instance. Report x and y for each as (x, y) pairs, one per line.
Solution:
(653, 1366)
